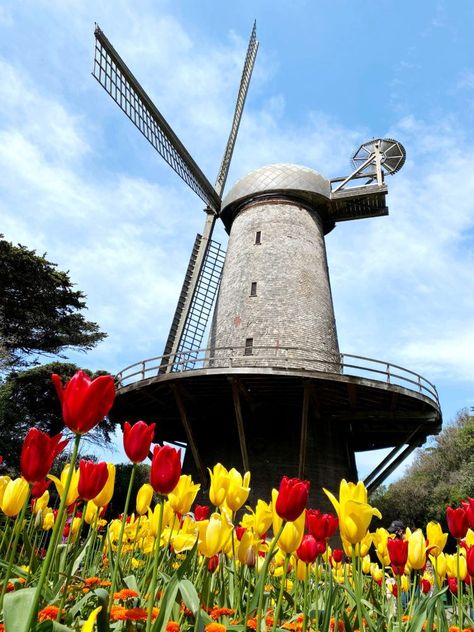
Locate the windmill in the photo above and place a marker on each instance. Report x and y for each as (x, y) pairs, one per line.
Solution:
(271, 392)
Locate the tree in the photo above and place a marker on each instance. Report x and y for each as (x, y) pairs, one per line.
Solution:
(442, 474)
(28, 398)
(39, 310)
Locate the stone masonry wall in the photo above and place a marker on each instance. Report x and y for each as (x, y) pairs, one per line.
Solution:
(292, 306)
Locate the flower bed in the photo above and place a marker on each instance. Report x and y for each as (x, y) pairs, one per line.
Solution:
(167, 565)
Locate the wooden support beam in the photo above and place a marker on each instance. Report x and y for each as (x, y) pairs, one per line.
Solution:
(236, 389)
(352, 394)
(307, 391)
(371, 478)
(189, 434)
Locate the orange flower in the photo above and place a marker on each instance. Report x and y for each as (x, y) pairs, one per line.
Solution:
(340, 625)
(117, 613)
(215, 627)
(50, 612)
(125, 593)
(172, 626)
(216, 612)
(140, 614)
(92, 581)
(252, 624)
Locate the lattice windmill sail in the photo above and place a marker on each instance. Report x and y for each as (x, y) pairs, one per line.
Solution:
(203, 273)
(272, 388)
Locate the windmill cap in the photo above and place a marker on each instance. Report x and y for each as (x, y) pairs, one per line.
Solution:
(396, 525)
(302, 182)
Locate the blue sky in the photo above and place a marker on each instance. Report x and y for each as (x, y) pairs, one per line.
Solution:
(79, 182)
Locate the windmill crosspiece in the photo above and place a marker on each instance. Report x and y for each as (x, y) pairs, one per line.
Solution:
(272, 365)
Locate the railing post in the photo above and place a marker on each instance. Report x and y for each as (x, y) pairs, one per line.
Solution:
(143, 370)
(388, 373)
(419, 384)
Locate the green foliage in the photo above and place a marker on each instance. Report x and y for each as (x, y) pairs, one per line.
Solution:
(441, 474)
(28, 398)
(122, 478)
(39, 310)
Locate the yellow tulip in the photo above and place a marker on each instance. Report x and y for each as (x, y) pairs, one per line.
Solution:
(220, 481)
(469, 537)
(183, 495)
(4, 480)
(91, 512)
(353, 510)
(48, 519)
(452, 568)
(301, 570)
(183, 542)
(376, 572)
(248, 549)
(41, 503)
(105, 496)
(75, 525)
(440, 566)
(89, 624)
(292, 534)
(213, 534)
(366, 564)
(361, 549)
(417, 550)
(260, 520)
(436, 538)
(380, 538)
(60, 484)
(144, 498)
(238, 490)
(154, 517)
(404, 583)
(15, 496)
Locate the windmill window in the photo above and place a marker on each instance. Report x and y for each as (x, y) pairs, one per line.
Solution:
(253, 288)
(258, 237)
(248, 346)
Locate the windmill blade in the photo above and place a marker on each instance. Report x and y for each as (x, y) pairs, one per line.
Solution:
(204, 270)
(239, 106)
(118, 81)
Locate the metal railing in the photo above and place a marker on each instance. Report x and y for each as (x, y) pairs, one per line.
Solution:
(281, 358)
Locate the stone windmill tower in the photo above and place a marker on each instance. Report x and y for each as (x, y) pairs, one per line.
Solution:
(271, 391)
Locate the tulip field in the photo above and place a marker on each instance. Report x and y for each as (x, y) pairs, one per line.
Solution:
(167, 564)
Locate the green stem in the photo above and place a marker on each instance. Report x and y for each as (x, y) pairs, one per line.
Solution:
(305, 597)
(53, 543)
(264, 571)
(122, 530)
(460, 588)
(399, 602)
(70, 565)
(13, 546)
(155, 566)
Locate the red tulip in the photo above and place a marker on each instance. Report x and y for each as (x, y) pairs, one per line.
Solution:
(398, 553)
(85, 402)
(307, 551)
(470, 560)
(457, 522)
(137, 440)
(292, 498)
(201, 512)
(469, 507)
(425, 585)
(213, 563)
(39, 488)
(321, 526)
(337, 555)
(165, 469)
(453, 585)
(92, 478)
(239, 532)
(38, 453)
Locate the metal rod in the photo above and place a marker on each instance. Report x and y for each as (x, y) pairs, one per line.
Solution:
(390, 456)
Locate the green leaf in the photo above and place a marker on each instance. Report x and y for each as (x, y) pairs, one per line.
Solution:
(52, 626)
(189, 595)
(166, 605)
(131, 582)
(16, 609)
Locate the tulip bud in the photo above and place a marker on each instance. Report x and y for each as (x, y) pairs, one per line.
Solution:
(165, 469)
(457, 522)
(292, 498)
(144, 498)
(14, 497)
(105, 496)
(137, 440)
